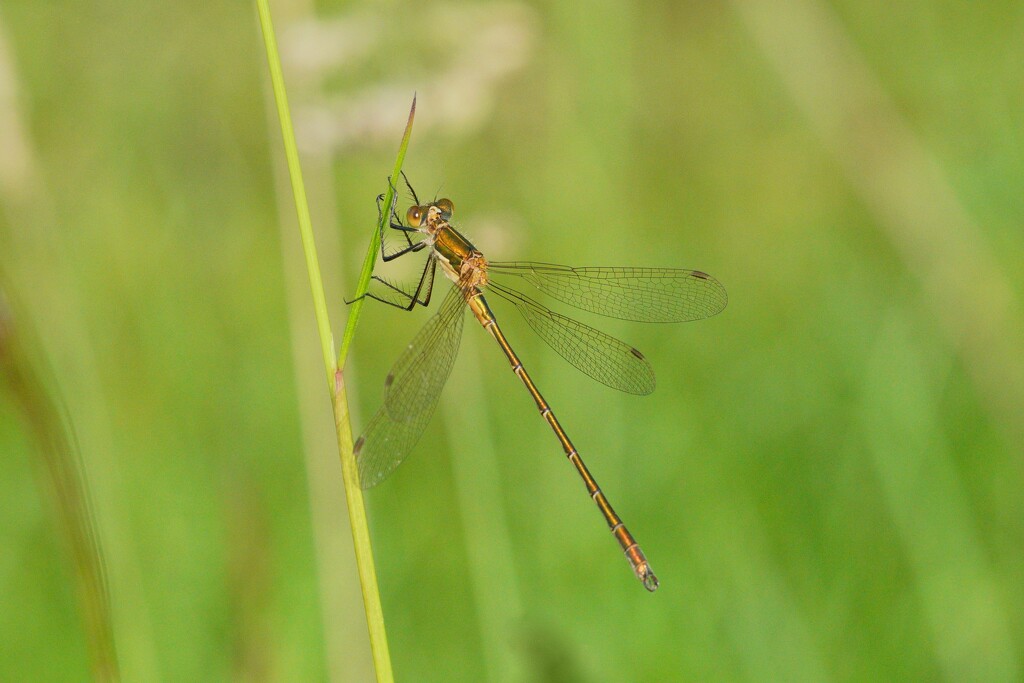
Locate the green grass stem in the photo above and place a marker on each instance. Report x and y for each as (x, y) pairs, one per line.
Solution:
(334, 369)
(371, 253)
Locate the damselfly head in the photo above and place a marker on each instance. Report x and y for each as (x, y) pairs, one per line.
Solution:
(418, 215)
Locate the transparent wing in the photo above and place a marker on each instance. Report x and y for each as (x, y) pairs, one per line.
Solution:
(410, 393)
(603, 357)
(651, 295)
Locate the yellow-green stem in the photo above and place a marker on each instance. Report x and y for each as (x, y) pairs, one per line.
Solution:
(335, 376)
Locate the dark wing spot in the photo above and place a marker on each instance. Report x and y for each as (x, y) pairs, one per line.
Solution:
(388, 380)
(699, 274)
(358, 446)
(636, 352)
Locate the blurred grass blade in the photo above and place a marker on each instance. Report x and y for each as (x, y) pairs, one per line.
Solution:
(335, 378)
(60, 470)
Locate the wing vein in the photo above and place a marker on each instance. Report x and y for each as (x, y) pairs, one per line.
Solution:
(411, 393)
(640, 294)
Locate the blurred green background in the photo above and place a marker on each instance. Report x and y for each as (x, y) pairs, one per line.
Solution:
(828, 479)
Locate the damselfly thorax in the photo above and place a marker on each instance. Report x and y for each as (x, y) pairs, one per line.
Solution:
(461, 262)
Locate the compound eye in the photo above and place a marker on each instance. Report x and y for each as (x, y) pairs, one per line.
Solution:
(414, 216)
(446, 207)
